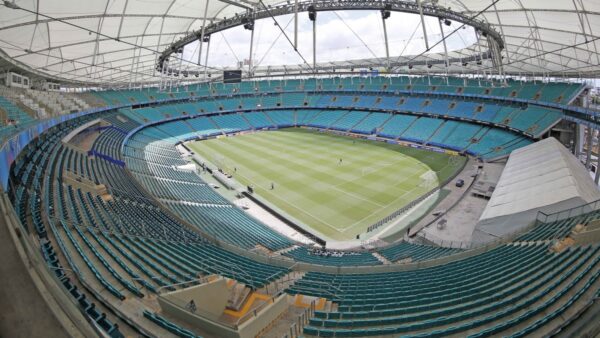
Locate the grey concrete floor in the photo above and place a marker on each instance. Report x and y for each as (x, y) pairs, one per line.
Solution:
(23, 311)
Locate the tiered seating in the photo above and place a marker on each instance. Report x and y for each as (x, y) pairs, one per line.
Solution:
(148, 115)
(228, 223)
(412, 104)
(173, 328)
(371, 123)
(414, 252)
(395, 126)
(109, 243)
(332, 257)
(33, 178)
(179, 190)
(293, 100)
(304, 117)
(228, 104)
(497, 142)
(204, 126)
(489, 293)
(258, 120)
(178, 130)
(557, 229)
(437, 106)
(12, 119)
(535, 119)
(113, 97)
(282, 118)
(463, 135)
(463, 109)
(231, 122)
(422, 129)
(326, 118)
(351, 118)
(549, 92)
(558, 92)
(58, 103)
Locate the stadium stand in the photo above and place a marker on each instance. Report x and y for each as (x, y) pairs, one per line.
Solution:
(13, 119)
(324, 257)
(135, 239)
(415, 252)
(458, 297)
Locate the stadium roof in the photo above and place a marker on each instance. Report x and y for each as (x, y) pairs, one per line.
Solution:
(117, 41)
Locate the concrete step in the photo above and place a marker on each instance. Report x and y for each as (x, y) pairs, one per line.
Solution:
(382, 259)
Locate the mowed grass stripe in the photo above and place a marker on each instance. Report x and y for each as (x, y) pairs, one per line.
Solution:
(352, 174)
(261, 172)
(340, 201)
(312, 199)
(319, 199)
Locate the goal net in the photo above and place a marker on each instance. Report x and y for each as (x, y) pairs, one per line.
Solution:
(428, 180)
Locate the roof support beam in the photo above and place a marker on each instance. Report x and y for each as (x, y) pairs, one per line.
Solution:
(423, 24)
(334, 5)
(237, 4)
(202, 33)
(122, 17)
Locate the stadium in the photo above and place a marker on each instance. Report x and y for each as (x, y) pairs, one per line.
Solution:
(299, 168)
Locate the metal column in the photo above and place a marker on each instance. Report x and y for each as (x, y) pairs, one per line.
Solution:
(597, 170)
(162, 24)
(387, 46)
(206, 59)
(423, 24)
(296, 25)
(250, 58)
(202, 34)
(315, 45)
(179, 71)
(588, 152)
(445, 47)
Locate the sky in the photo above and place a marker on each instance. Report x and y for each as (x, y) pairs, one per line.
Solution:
(341, 35)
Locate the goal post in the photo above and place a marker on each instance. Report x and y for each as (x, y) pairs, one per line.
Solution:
(428, 179)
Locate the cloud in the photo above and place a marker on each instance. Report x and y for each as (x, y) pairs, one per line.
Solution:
(335, 40)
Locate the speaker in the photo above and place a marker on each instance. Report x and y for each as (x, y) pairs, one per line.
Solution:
(312, 13)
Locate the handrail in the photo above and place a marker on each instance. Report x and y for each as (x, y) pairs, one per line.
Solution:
(568, 213)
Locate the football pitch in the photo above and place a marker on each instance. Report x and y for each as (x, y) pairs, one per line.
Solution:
(334, 184)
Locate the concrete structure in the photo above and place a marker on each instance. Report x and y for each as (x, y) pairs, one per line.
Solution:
(541, 177)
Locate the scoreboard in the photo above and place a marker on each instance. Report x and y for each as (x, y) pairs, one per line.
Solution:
(232, 76)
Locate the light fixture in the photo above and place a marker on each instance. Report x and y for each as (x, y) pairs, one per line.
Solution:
(312, 13)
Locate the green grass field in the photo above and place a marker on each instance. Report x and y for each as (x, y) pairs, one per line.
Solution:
(340, 200)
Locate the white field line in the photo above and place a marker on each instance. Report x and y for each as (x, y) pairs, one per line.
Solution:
(291, 205)
(381, 207)
(356, 196)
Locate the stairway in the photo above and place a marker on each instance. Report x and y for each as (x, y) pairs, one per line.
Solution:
(382, 259)
(282, 283)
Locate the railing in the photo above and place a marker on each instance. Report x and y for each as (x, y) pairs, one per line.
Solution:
(254, 312)
(297, 328)
(568, 213)
(445, 243)
(505, 238)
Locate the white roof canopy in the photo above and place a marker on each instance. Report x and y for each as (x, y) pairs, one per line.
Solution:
(59, 38)
(543, 176)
